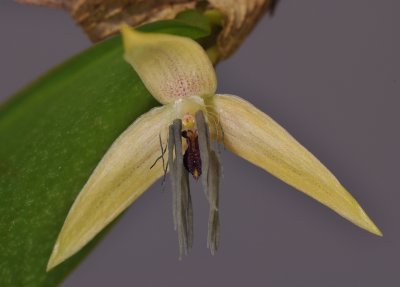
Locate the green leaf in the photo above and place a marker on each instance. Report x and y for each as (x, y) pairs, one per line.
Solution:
(52, 135)
(189, 23)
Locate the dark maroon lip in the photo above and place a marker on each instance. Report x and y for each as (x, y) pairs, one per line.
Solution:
(191, 157)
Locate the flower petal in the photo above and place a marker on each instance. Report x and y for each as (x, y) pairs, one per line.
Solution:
(119, 179)
(171, 67)
(253, 135)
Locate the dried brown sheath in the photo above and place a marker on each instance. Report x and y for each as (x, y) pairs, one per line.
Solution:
(102, 18)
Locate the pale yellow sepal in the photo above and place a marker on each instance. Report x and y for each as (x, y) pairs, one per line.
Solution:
(254, 136)
(171, 67)
(119, 179)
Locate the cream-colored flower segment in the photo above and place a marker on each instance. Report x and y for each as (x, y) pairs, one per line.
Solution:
(254, 136)
(119, 179)
(171, 67)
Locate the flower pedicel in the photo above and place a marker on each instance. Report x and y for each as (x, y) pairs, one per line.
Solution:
(178, 73)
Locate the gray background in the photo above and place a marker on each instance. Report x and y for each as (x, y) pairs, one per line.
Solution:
(329, 72)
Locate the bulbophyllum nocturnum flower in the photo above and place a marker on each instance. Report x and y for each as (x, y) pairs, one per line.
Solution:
(178, 73)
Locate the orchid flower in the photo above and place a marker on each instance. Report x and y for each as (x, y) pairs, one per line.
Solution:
(178, 73)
